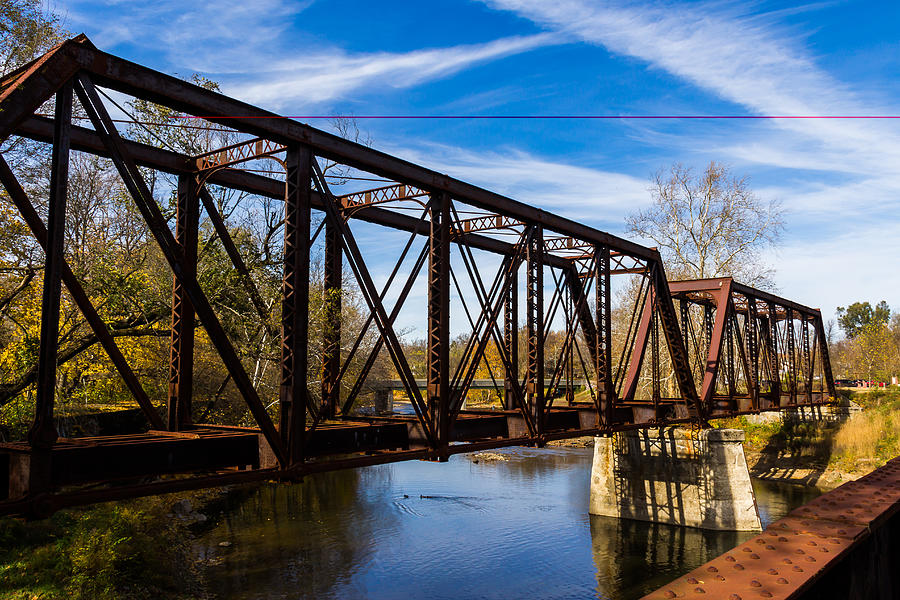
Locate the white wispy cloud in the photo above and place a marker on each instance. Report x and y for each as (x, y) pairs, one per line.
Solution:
(756, 63)
(330, 74)
(258, 51)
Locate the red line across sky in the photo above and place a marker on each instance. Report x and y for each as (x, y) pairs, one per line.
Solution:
(589, 117)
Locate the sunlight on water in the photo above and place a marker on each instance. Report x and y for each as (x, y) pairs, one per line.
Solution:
(503, 529)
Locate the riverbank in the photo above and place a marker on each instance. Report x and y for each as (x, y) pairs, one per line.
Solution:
(824, 453)
(133, 550)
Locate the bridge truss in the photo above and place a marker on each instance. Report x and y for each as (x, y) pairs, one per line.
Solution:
(716, 348)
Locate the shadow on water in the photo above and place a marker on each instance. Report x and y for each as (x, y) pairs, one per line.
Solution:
(492, 530)
(633, 558)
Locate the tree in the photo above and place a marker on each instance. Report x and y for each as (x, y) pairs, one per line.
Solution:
(860, 315)
(710, 225)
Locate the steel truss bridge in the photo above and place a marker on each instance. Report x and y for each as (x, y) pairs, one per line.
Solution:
(681, 352)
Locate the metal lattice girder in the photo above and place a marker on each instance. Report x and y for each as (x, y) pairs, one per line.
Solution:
(295, 302)
(237, 153)
(391, 193)
(439, 317)
(181, 353)
(774, 329)
(137, 187)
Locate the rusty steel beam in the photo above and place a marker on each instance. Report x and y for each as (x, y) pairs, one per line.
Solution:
(181, 356)
(43, 431)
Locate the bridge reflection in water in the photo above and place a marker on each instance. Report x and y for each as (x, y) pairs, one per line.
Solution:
(515, 528)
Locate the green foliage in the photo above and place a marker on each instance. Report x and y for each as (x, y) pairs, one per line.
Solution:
(122, 551)
(858, 316)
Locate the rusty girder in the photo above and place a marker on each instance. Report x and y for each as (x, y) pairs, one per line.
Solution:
(564, 268)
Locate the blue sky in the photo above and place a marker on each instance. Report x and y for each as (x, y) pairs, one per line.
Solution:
(838, 179)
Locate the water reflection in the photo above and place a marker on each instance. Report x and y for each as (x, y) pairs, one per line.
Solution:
(633, 558)
(515, 528)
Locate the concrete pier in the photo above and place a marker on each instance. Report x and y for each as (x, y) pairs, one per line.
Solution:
(694, 478)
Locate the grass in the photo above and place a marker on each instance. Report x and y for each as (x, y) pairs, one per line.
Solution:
(129, 550)
(871, 437)
(864, 442)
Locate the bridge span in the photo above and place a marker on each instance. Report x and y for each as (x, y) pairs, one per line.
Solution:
(684, 352)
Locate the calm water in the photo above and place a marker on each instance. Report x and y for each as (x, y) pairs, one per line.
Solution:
(459, 530)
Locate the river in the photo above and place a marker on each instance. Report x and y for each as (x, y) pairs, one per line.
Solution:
(459, 530)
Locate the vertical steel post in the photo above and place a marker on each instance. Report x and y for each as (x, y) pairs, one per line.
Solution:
(606, 389)
(792, 358)
(534, 322)
(511, 337)
(181, 352)
(729, 350)
(438, 386)
(295, 302)
(751, 333)
(807, 358)
(331, 355)
(654, 362)
(773, 354)
(43, 431)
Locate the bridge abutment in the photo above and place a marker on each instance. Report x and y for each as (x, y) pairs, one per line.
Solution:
(693, 478)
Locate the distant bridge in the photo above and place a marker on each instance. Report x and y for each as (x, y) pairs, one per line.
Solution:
(687, 352)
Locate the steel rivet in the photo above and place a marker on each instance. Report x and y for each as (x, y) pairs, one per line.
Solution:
(755, 583)
(810, 559)
(739, 567)
(765, 594)
(670, 594)
(692, 580)
(699, 590)
(770, 547)
(746, 550)
(754, 556)
(782, 539)
(811, 543)
(730, 558)
(712, 569)
(772, 572)
(798, 569)
(787, 561)
(781, 580)
(734, 597)
(799, 551)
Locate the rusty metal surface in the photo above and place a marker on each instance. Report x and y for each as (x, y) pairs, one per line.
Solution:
(793, 552)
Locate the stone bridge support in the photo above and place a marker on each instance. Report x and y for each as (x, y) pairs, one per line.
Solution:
(693, 478)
